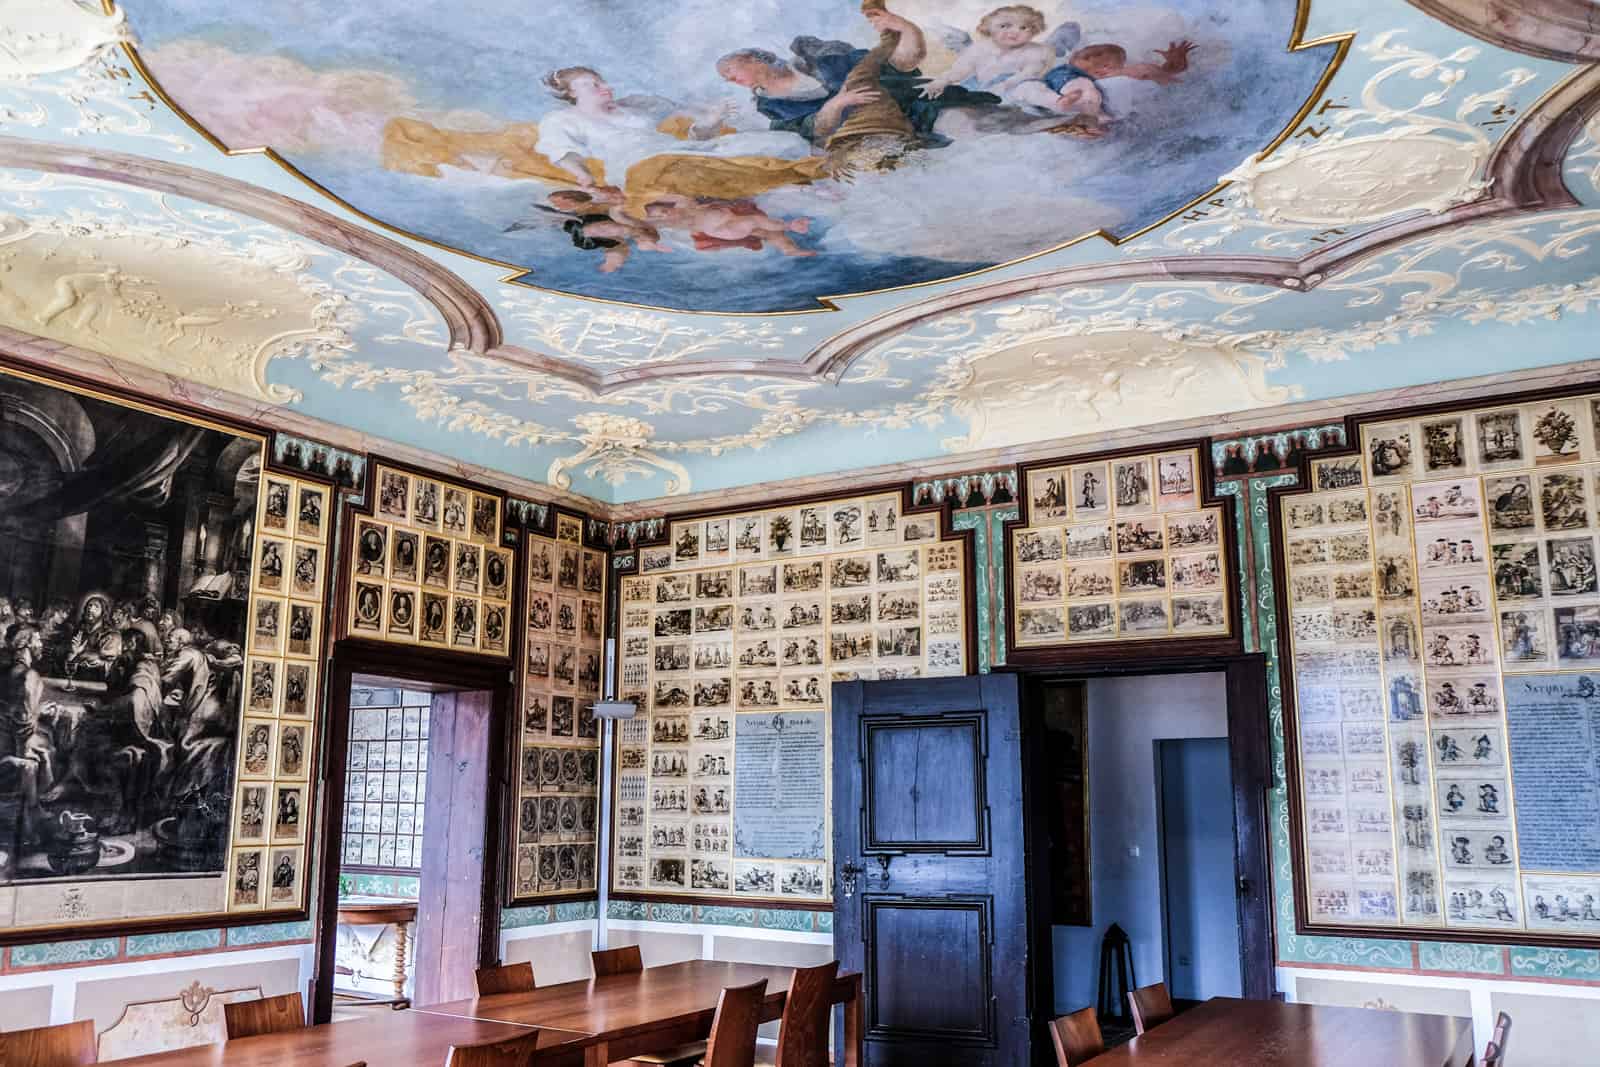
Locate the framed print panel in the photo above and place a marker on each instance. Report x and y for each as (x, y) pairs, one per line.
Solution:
(730, 636)
(1443, 619)
(154, 572)
(425, 568)
(556, 819)
(1111, 553)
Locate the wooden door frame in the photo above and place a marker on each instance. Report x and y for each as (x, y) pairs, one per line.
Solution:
(428, 670)
(1250, 756)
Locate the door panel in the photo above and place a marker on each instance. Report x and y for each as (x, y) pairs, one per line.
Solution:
(931, 903)
(924, 783)
(910, 939)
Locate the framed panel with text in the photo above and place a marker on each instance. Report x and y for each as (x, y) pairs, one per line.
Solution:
(1443, 631)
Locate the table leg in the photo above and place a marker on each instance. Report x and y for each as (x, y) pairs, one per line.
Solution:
(597, 1055)
(854, 1041)
(400, 961)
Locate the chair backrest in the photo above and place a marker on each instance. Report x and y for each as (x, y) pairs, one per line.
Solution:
(1076, 1037)
(505, 978)
(269, 1015)
(1152, 1006)
(624, 960)
(807, 1011)
(733, 1028)
(517, 1052)
(1495, 1051)
(66, 1045)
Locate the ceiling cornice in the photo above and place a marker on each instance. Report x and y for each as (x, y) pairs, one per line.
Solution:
(49, 357)
(1237, 424)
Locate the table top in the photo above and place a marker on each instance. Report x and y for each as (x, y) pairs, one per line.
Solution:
(625, 1005)
(1269, 1033)
(358, 911)
(401, 1037)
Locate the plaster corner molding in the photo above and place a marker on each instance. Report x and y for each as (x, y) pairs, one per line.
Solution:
(39, 37)
(1363, 179)
(616, 447)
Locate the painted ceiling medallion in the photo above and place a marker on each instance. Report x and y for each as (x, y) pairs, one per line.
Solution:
(757, 158)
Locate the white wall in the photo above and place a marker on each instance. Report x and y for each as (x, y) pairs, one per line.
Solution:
(1126, 716)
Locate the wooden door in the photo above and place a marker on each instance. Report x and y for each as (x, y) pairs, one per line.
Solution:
(450, 908)
(930, 899)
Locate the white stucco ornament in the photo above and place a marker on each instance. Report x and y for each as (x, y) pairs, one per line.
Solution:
(1363, 179)
(616, 447)
(1070, 384)
(40, 37)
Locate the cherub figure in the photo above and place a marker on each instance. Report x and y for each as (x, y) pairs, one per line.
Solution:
(1005, 55)
(720, 224)
(1073, 87)
(595, 221)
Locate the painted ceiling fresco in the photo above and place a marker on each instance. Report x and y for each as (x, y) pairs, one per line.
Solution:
(756, 157)
(415, 226)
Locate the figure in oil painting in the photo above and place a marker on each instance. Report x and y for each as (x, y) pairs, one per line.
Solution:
(813, 94)
(628, 139)
(852, 123)
(1005, 56)
(721, 224)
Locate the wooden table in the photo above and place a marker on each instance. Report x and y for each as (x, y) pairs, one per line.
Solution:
(374, 911)
(394, 1039)
(650, 1010)
(1268, 1033)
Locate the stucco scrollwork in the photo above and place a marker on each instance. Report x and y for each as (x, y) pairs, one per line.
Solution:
(616, 447)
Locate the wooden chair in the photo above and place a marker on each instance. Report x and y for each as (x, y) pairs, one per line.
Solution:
(807, 1013)
(505, 978)
(1077, 1038)
(626, 960)
(733, 1028)
(269, 1015)
(1495, 1051)
(66, 1045)
(1152, 1006)
(517, 1052)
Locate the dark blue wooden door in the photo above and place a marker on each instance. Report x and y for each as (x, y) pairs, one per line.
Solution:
(930, 902)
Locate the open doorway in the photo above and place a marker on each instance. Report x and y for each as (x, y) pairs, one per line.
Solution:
(1146, 795)
(410, 903)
